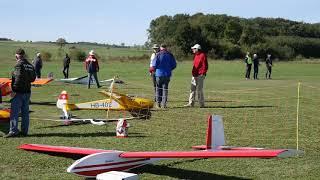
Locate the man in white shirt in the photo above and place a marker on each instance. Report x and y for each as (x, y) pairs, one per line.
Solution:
(156, 49)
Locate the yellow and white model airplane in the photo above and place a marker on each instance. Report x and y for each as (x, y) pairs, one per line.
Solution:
(114, 101)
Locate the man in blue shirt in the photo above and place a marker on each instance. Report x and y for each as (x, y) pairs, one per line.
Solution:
(163, 64)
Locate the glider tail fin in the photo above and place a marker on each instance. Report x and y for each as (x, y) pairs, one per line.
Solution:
(215, 134)
(62, 103)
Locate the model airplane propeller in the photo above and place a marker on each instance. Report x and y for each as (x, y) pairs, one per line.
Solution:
(97, 161)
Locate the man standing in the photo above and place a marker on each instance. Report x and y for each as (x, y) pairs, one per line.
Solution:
(269, 66)
(255, 66)
(66, 63)
(248, 62)
(199, 71)
(37, 63)
(22, 76)
(163, 64)
(156, 49)
(92, 67)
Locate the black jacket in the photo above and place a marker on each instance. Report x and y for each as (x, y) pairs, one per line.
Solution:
(37, 63)
(66, 62)
(22, 76)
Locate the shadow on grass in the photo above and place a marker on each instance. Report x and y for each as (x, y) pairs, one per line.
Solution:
(205, 101)
(95, 134)
(172, 172)
(224, 107)
(4, 127)
(43, 103)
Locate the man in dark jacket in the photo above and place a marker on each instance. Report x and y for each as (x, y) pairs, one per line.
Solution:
(163, 64)
(92, 67)
(66, 63)
(37, 63)
(22, 76)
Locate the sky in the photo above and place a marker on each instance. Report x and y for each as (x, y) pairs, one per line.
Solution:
(127, 21)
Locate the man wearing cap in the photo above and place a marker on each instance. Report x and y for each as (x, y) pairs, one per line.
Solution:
(199, 71)
(37, 63)
(156, 49)
(163, 64)
(92, 67)
(22, 76)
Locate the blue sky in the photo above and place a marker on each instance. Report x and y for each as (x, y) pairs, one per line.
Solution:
(127, 21)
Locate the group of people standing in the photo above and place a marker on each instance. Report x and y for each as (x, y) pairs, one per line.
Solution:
(255, 61)
(162, 62)
(23, 75)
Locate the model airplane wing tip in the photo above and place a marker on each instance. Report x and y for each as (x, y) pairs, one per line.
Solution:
(290, 153)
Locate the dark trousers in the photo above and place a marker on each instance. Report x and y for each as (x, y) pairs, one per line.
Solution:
(38, 73)
(66, 71)
(94, 74)
(255, 72)
(162, 90)
(248, 71)
(268, 73)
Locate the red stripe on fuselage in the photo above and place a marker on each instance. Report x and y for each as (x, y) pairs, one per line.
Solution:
(110, 164)
(94, 173)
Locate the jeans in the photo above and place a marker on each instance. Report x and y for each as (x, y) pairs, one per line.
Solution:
(94, 74)
(162, 90)
(66, 71)
(20, 102)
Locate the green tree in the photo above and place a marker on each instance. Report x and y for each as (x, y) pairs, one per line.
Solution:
(233, 31)
(61, 42)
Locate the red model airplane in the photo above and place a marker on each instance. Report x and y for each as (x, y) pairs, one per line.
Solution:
(97, 161)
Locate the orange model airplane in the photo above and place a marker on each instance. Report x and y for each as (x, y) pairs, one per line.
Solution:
(5, 84)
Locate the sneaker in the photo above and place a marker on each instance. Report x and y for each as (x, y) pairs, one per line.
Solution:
(158, 105)
(99, 86)
(188, 105)
(11, 134)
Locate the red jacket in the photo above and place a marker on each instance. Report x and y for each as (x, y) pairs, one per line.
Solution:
(200, 64)
(91, 64)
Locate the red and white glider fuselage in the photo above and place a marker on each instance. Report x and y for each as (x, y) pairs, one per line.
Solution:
(97, 161)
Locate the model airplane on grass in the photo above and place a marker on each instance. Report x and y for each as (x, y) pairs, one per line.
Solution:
(5, 89)
(84, 80)
(5, 84)
(97, 161)
(114, 101)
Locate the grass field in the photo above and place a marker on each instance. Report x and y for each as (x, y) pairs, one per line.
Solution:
(259, 113)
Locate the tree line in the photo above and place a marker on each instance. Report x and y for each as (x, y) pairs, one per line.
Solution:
(229, 37)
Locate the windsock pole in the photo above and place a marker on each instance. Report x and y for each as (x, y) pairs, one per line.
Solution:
(297, 123)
